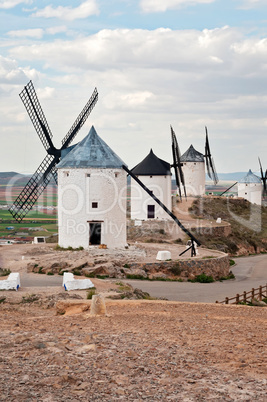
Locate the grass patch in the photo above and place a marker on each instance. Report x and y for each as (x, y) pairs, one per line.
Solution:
(59, 248)
(231, 262)
(225, 278)
(90, 293)
(40, 271)
(202, 278)
(50, 273)
(29, 298)
(4, 272)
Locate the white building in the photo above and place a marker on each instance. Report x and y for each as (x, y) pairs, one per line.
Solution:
(250, 188)
(155, 174)
(194, 172)
(92, 190)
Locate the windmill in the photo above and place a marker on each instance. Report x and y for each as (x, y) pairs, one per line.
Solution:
(264, 180)
(47, 169)
(177, 165)
(211, 171)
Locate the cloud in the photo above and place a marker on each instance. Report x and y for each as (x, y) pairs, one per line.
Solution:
(148, 80)
(155, 6)
(30, 33)
(250, 4)
(84, 10)
(11, 73)
(13, 3)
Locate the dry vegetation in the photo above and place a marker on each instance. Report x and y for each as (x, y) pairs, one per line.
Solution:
(248, 224)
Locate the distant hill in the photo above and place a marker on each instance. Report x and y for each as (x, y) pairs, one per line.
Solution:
(235, 176)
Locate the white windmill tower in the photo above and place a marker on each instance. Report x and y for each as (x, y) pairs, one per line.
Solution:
(250, 188)
(155, 174)
(190, 168)
(91, 199)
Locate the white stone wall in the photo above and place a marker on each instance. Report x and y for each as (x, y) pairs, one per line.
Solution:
(77, 190)
(194, 176)
(161, 187)
(251, 192)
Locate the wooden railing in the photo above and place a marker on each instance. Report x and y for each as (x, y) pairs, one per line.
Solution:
(258, 294)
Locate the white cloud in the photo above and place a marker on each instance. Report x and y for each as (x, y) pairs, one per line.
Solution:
(250, 4)
(152, 6)
(84, 10)
(13, 3)
(30, 33)
(11, 73)
(57, 29)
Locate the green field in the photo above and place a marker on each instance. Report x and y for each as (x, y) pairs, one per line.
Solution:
(32, 220)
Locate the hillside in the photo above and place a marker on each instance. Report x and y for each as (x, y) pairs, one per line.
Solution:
(248, 223)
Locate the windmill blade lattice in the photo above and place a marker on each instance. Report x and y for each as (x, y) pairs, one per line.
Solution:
(34, 188)
(47, 169)
(179, 176)
(81, 119)
(264, 180)
(211, 171)
(35, 111)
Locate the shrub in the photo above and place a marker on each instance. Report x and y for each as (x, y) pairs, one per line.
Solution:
(4, 272)
(50, 273)
(176, 269)
(90, 293)
(202, 278)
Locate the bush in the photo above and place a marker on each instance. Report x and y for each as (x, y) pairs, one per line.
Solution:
(202, 278)
(176, 269)
(90, 293)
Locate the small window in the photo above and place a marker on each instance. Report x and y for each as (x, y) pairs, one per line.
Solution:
(94, 204)
(151, 177)
(66, 174)
(88, 175)
(116, 174)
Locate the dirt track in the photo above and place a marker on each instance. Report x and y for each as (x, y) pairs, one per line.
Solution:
(139, 351)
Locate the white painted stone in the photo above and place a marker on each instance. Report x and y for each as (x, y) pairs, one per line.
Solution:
(70, 283)
(38, 239)
(137, 223)
(219, 220)
(11, 283)
(163, 255)
(140, 199)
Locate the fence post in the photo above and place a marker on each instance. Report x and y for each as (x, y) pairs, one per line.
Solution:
(252, 293)
(260, 293)
(237, 299)
(226, 300)
(245, 296)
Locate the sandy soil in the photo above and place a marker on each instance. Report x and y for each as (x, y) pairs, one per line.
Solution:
(141, 350)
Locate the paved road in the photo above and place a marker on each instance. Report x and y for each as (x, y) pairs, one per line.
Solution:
(250, 272)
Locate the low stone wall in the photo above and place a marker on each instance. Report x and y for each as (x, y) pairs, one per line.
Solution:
(216, 267)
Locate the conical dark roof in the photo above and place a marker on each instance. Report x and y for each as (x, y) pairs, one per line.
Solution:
(152, 166)
(92, 151)
(191, 155)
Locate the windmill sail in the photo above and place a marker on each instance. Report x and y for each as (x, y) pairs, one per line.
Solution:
(81, 119)
(35, 111)
(47, 169)
(264, 180)
(179, 176)
(211, 171)
(34, 188)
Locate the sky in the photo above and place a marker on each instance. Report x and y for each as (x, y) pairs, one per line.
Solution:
(155, 63)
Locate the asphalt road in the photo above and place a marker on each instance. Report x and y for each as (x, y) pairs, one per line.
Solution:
(250, 272)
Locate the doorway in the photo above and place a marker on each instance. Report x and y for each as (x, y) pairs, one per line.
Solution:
(151, 211)
(94, 233)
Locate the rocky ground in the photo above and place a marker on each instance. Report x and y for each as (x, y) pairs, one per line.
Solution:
(140, 350)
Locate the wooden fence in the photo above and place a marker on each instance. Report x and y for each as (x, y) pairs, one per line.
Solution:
(258, 294)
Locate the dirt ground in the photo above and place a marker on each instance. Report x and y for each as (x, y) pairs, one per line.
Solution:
(140, 350)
